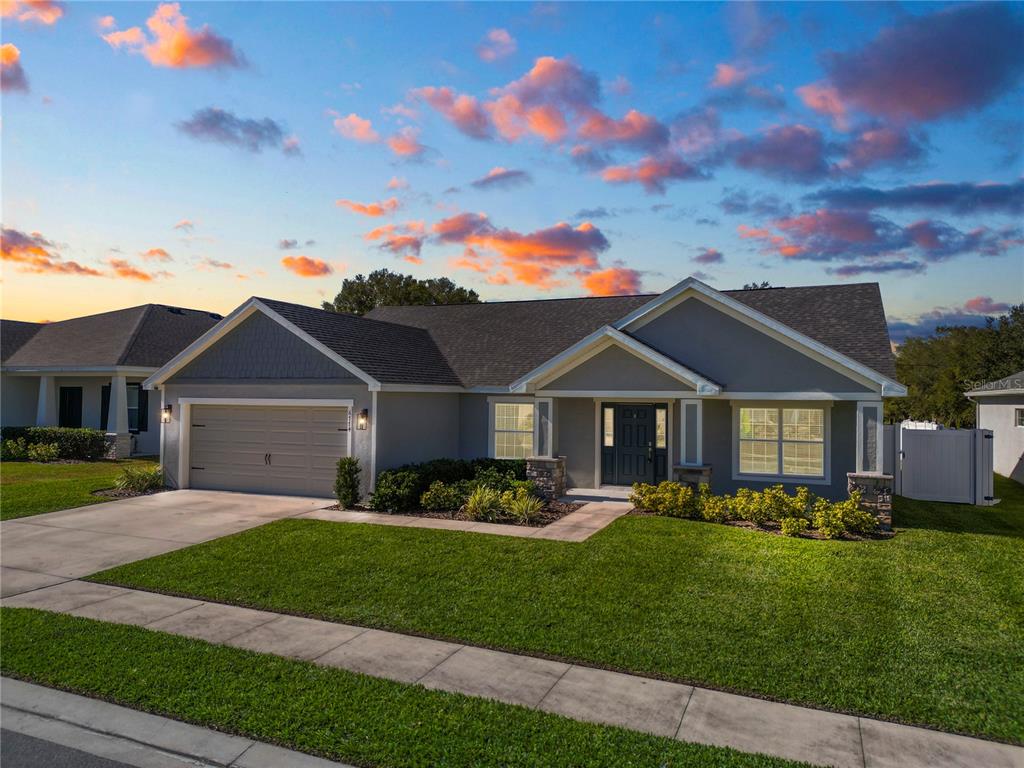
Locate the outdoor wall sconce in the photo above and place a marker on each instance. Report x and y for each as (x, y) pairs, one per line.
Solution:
(362, 419)
(165, 415)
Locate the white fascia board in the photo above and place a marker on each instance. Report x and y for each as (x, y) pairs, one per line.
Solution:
(232, 321)
(652, 309)
(81, 370)
(598, 341)
(823, 396)
(993, 392)
(423, 388)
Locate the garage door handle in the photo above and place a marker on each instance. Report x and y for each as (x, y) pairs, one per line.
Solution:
(197, 467)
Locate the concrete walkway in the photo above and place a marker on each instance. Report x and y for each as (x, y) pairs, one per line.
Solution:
(51, 548)
(667, 709)
(133, 738)
(576, 526)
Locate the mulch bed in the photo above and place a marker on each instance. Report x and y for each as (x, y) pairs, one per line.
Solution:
(776, 529)
(114, 493)
(550, 512)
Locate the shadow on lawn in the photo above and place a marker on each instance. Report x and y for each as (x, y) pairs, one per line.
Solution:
(1004, 519)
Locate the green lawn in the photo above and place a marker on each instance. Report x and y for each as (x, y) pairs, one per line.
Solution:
(28, 488)
(331, 712)
(926, 628)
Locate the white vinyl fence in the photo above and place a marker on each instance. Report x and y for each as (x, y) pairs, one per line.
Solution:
(953, 465)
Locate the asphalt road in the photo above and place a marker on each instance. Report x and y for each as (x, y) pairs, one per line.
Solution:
(20, 751)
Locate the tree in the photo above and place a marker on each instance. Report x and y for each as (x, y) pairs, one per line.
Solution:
(938, 369)
(757, 286)
(383, 287)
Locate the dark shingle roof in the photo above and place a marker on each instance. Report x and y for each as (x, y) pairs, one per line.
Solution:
(493, 344)
(1014, 381)
(146, 336)
(396, 354)
(14, 334)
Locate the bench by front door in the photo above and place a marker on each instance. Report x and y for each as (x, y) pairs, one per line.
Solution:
(633, 443)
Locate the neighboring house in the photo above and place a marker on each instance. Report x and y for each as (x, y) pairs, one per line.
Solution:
(1000, 407)
(88, 371)
(753, 387)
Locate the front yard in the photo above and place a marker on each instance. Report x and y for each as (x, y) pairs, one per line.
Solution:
(29, 488)
(925, 628)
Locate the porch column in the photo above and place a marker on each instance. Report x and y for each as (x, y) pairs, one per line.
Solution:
(46, 404)
(117, 417)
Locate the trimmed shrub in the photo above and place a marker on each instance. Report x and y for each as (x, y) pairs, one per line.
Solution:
(14, 450)
(666, 498)
(346, 483)
(521, 504)
(396, 491)
(445, 497)
(140, 479)
(483, 504)
(43, 452)
(794, 526)
(827, 518)
(72, 443)
(714, 509)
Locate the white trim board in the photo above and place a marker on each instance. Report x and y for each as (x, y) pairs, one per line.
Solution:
(879, 436)
(232, 321)
(597, 342)
(693, 288)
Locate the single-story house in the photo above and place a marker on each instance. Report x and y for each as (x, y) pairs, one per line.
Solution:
(88, 371)
(744, 388)
(1000, 407)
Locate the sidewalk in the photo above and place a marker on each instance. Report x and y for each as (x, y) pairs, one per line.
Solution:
(663, 708)
(133, 738)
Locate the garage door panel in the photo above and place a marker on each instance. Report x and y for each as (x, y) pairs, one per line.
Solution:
(230, 446)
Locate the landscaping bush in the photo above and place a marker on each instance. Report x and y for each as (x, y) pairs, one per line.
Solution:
(521, 504)
(14, 450)
(346, 484)
(140, 479)
(76, 444)
(794, 526)
(516, 466)
(827, 518)
(501, 474)
(43, 452)
(483, 504)
(445, 497)
(666, 498)
(714, 509)
(396, 491)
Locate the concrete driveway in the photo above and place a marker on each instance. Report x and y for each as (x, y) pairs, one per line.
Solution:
(48, 549)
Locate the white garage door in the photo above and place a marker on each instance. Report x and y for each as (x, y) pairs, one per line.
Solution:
(291, 450)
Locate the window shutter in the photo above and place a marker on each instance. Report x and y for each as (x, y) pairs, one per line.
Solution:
(143, 409)
(104, 405)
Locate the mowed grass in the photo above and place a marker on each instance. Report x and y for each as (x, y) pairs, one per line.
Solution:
(330, 712)
(28, 488)
(925, 628)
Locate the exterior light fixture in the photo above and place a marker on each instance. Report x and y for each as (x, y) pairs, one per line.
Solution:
(362, 419)
(165, 415)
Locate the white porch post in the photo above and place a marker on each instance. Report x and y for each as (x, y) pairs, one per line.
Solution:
(117, 416)
(46, 404)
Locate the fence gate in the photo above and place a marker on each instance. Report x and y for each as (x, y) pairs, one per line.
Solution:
(952, 465)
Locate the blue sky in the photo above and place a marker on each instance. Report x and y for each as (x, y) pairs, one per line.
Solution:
(251, 120)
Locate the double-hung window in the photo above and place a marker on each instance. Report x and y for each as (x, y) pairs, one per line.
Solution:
(513, 430)
(781, 441)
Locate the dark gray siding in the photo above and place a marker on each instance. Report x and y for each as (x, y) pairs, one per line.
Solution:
(735, 355)
(575, 440)
(616, 369)
(473, 426)
(260, 348)
(416, 426)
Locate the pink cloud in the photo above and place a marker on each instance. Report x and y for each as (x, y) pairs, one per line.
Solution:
(46, 12)
(12, 76)
(825, 100)
(171, 43)
(732, 75)
(398, 183)
(34, 253)
(462, 111)
(185, 225)
(708, 256)
(635, 128)
(788, 152)
(371, 209)
(497, 44)
(880, 145)
(304, 266)
(613, 281)
(356, 128)
(651, 172)
(406, 143)
(127, 271)
(157, 254)
(983, 305)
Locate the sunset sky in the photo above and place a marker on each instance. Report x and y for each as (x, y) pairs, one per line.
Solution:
(201, 153)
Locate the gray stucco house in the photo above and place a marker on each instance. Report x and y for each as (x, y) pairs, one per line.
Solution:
(745, 387)
(88, 371)
(1000, 407)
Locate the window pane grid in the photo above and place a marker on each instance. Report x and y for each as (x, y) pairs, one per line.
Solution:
(799, 446)
(660, 428)
(759, 423)
(609, 427)
(513, 430)
(759, 457)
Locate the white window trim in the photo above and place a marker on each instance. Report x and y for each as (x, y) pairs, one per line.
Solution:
(1015, 412)
(781, 478)
(185, 421)
(879, 436)
(682, 432)
(493, 401)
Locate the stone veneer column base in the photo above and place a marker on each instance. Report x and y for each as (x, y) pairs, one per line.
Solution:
(548, 473)
(875, 494)
(118, 446)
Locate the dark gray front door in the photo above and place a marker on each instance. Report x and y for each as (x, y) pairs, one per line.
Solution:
(70, 407)
(634, 449)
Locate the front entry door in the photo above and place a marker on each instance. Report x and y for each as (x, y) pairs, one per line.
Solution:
(634, 449)
(70, 411)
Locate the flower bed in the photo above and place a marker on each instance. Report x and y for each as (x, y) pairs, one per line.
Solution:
(801, 514)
